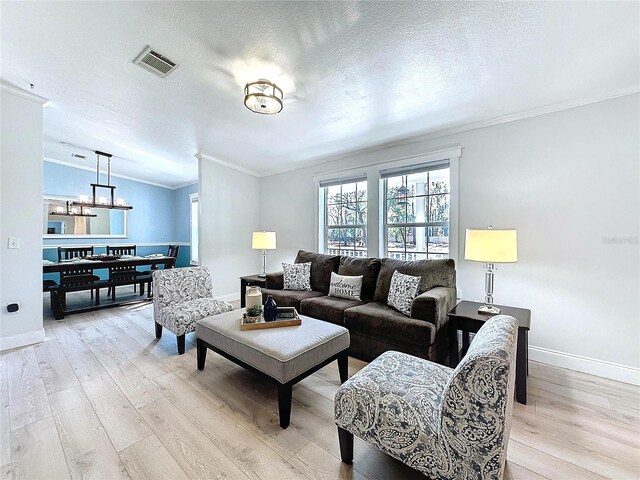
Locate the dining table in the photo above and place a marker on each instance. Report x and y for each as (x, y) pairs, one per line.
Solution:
(81, 264)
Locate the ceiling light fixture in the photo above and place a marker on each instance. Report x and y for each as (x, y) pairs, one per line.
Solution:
(263, 97)
(102, 201)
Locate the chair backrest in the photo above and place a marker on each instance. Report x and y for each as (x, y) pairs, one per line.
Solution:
(478, 400)
(122, 250)
(176, 285)
(67, 253)
(173, 251)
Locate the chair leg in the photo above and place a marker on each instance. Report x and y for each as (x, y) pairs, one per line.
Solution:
(97, 296)
(113, 294)
(346, 445)
(158, 330)
(180, 339)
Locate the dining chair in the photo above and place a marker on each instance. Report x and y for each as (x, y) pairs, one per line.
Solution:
(123, 272)
(83, 276)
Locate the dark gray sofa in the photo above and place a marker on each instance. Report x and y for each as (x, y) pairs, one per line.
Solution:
(375, 327)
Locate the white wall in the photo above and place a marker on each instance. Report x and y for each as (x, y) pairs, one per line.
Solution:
(21, 217)
(229, 212)
(569, 183)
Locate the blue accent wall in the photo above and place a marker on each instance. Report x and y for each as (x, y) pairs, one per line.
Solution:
(160, 216)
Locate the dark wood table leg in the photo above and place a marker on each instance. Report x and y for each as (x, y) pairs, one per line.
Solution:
(284, 404)
(521, 365)
(243, 292)
(343, 367)
(453, 344)
(201, 352)
(56, 306)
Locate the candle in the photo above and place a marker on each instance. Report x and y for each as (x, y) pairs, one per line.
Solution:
(120, 202)
(102, 200)
(84, 198)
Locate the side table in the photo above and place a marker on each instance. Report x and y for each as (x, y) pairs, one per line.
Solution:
(250, 281)
(465, 317)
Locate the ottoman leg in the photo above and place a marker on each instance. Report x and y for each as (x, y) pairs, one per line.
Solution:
(201, 351)
(180, 339)
(284, 404)
(343, 367)
(346, 445)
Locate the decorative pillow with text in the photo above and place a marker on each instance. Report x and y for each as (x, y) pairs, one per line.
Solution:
(402, 291)
(297, 276)
(345, 286)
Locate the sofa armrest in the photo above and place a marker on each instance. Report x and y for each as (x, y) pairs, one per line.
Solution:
(275, 281)
(433, 305)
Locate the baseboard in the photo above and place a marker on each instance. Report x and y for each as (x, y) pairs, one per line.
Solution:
(229, 297)
(21, 339)
(600, 368)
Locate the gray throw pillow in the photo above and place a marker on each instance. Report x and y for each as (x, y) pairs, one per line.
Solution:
(345, 286)
(402, 291)
(297, 276)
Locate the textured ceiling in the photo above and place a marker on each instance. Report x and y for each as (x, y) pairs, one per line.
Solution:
(357, 74)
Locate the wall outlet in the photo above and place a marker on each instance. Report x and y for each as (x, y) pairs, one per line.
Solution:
(13, 242)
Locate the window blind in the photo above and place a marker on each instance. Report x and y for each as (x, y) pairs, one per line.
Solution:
(411, 169)
(342, 181)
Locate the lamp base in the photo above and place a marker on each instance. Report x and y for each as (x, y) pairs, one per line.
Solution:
(262, 275)
(488, 309)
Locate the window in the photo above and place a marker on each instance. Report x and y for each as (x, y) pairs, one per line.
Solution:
(417, 209)
(345, 216)
(193, 209)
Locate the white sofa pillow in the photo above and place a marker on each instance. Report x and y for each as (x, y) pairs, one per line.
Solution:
(345, 286)
(297, 276)
(402, 291)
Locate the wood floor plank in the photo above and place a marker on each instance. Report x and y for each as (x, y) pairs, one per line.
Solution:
(5, 422)
(149, 459)
(193, 451)
(118, 416)
(564, 391)
(136, 387)
(550, 372)
(84, 363)
(57, 372)
(87, 448)
(28, 401)
(514, 471)
(37, 452)
(243, 447)
(316, 463)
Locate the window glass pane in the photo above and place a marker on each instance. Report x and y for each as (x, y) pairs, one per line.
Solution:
(333, 194)
(334, 214)
(396, 187)
(439, 181)
(346, 208)
(439, 208)
(361, 213)
(349, 213)
(362, 191)
(396, 210)
(438, 241)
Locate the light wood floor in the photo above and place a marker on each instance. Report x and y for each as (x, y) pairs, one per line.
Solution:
(102, 398)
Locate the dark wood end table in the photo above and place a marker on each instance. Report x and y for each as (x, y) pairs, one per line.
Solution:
(465, 317)
(250, 281)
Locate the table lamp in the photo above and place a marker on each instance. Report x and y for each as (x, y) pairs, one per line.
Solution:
(263, 241)
(490, 246)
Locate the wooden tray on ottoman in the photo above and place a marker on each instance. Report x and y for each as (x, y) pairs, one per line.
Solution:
(287, 317)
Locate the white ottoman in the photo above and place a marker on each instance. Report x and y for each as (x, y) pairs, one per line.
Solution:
(283, 355)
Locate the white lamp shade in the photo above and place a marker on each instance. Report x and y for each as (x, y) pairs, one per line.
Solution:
(491, 245)
(263, 241)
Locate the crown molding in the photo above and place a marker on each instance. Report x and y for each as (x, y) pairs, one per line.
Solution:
(204, 156)
(422, 137)
(19, 92)
(185, 184)
(126, 177)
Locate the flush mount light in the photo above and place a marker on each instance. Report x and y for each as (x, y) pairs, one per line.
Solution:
(263, 97)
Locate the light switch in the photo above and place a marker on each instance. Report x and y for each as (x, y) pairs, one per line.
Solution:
(14, 242)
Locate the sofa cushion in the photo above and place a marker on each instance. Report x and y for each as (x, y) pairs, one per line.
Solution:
(345, 286)
(402, 291)
(376, 319)
(297, 276)
(433, 273)
(330, 309)
(289, 298)
(369, 268)
(321, 268)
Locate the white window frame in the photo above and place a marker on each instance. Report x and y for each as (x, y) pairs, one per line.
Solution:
(194, 252)
(322, 210)
(405, 171)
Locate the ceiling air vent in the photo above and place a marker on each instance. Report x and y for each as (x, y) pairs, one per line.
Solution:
(154, 62)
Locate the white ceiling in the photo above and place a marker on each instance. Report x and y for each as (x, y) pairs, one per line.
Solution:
(358, 74)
